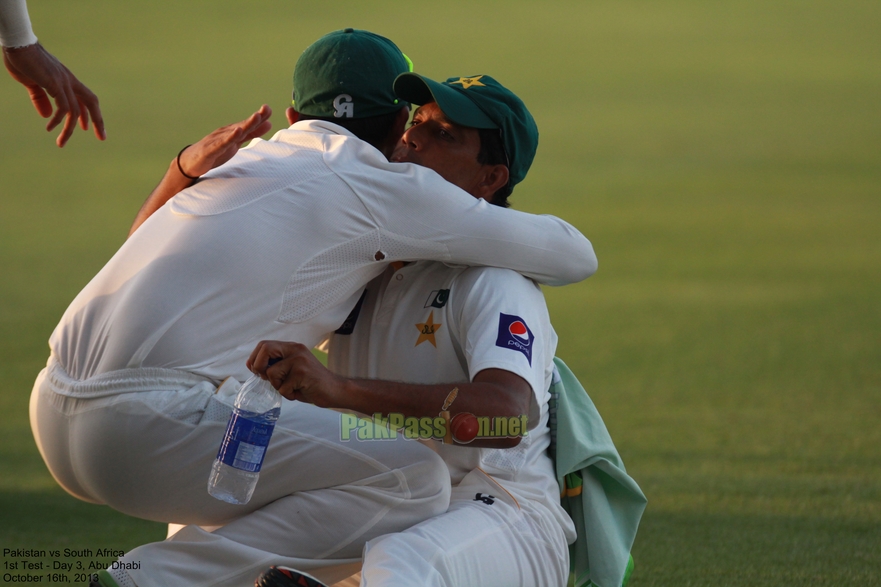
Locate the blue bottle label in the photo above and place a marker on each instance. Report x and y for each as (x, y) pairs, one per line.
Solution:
(244, 444)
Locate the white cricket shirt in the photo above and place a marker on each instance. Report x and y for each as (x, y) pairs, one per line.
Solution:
(481, 318)
(278, 244)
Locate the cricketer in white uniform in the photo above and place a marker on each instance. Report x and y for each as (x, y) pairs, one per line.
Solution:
(505, 525)
(430, 323)
(277, 243)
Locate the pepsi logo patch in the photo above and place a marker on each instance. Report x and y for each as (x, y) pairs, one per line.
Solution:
(514, 334)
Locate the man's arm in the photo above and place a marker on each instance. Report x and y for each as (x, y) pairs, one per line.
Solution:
(298, 375)
(544, 248)
(212, 151)
(420, 207)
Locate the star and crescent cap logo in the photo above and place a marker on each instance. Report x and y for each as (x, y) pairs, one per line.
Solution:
(467, 82)
(427, 330)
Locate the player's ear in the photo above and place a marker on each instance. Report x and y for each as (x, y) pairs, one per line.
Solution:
(292, 115)
(396, 131)
(494, 178)
(400, 124)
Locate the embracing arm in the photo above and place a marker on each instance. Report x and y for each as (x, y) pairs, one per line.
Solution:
(298, 375)
(542, 247)
(212, 151)
(438, 221)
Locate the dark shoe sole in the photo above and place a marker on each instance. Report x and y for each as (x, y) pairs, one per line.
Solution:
(284, 577)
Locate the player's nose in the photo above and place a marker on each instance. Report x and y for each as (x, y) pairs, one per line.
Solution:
(412, 139)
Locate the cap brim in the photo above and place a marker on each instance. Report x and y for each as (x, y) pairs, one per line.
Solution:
(413, 88)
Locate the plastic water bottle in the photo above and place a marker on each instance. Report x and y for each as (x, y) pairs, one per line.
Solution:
(237, 466)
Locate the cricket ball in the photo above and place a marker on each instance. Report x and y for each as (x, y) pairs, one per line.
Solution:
(464, 427)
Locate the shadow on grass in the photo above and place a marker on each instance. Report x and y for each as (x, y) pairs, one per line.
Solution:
(52, 519)
(693, 549)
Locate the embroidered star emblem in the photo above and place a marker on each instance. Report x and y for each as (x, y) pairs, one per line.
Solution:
(427, 330)
(467, 82)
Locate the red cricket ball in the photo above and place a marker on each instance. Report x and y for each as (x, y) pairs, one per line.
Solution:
(464, 427)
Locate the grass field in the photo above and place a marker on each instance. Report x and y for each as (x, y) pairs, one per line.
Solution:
(723, 157)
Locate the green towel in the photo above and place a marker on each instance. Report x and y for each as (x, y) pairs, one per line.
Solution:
(603, 500)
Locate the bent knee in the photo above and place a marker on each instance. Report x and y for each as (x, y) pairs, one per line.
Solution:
(402, 559)
(428, 483)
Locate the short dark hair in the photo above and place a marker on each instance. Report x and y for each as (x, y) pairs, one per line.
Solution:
(371, 129)
(492, 152)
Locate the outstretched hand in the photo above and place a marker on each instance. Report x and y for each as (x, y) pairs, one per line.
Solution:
(212, 151)
(44, 77)
(296, 373)
(219, 146)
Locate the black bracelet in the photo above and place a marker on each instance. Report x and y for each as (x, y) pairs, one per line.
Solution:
(181, 169)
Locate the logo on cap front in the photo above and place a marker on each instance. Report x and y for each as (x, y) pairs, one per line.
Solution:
(467, 82)
(343, 107)
(515, 335)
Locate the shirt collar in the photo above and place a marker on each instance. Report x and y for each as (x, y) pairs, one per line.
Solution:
(322, 127)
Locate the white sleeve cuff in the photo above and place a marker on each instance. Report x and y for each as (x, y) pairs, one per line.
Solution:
(15, 25)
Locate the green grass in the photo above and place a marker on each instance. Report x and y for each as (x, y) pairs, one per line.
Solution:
(723, 157)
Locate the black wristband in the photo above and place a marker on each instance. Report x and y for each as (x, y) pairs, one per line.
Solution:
(181, 169)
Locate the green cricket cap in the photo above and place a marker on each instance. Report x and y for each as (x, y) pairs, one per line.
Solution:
(349, 74)
(479, 102)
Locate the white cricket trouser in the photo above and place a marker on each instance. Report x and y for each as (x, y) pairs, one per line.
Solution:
(480, 541)
(143, 440)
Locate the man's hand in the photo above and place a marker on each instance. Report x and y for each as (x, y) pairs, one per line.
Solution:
(212, 151)
(296, 373)
(219, 147)
(44, 76)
